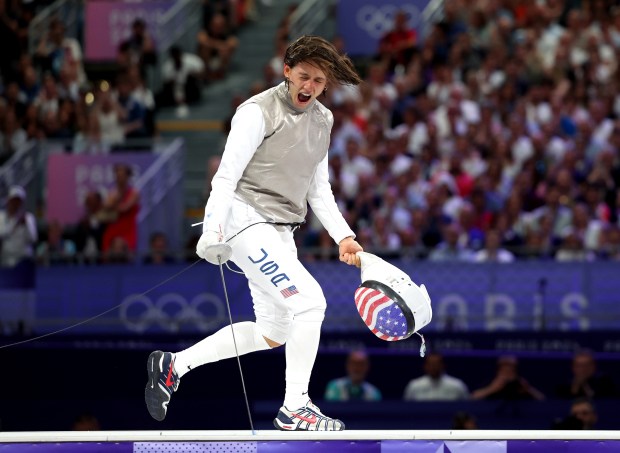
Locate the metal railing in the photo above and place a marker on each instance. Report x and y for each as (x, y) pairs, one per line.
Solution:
(431, 14)
(179, 26)
(70, 12)
(21, 169)
(161, 196)
(313, 17)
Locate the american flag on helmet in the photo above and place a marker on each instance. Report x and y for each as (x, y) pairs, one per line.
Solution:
(383, 311)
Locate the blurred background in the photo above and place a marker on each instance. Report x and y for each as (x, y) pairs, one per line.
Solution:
(481, 155)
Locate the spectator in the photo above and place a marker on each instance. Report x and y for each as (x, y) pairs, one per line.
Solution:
(55, 248)
(144, 96)
(88, 138)
(226, 8)
(12, 137)
(397, 45)
(86, 422)
(9, 37)
(182, 75)
(464, 420)
(158, 250)
(435, 384)
(88, 233)
(216, 46)
(57, 53)
(353, 387)
(492, 251)
(587, 381)
(14, 100)
(138, 49)
(48, 99)
(582, 415)
(449, 249)
(132, 113)
(118, 252)
(122, 205)
(29, 86)
(18, 229)
(508, 384)
(106, 120)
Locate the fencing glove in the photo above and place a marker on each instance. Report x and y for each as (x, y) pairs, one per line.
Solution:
(211, 247)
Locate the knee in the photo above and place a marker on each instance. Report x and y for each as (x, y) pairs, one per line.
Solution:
(272, 344)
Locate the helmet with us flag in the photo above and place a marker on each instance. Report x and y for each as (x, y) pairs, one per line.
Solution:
(391, 305)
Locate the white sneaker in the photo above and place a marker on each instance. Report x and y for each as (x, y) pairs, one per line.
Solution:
(307, 418)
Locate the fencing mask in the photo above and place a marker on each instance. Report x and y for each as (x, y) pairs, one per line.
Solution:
(390, 304)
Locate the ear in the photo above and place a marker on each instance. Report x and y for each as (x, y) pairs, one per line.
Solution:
(287, 71)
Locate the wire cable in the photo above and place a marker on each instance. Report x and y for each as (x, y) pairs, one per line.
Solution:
(245, 394)
(92, 318)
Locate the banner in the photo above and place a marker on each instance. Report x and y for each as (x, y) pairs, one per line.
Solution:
(534, 296)
(71, 177)
(361, 23)
(108, 24)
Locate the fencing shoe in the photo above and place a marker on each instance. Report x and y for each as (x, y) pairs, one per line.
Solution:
(163, 380)
(308, 418)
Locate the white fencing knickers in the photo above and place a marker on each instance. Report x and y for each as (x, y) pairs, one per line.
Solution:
(281, 287)
(288, 302)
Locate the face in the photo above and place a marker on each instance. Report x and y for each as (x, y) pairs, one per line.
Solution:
(433, 366)
(307, 82)
(583, 366)
(584, 412)
(357, 367)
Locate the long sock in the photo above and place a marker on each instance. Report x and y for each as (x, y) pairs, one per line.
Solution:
(301, 349)
(220, 346)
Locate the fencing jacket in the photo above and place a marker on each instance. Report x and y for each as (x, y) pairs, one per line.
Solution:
(275, 160)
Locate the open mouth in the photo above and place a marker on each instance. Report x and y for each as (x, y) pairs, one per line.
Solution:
(303, 98)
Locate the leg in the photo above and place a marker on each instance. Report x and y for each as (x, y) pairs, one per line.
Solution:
(281, 284)
(267, 255)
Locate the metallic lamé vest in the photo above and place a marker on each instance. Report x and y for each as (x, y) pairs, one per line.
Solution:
(277, 178)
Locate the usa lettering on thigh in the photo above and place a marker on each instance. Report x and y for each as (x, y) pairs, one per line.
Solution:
(391, 305)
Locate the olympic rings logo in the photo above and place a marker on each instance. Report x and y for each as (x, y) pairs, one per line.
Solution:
(171, 311)
(376, 21)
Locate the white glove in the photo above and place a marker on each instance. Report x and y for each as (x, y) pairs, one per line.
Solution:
(211, 247)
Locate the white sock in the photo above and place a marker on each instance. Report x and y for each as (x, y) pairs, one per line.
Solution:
(220, 346)
(301, 349)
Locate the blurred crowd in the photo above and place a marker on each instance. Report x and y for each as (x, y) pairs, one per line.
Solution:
(495, 138)
(47, 95)
(585, 384)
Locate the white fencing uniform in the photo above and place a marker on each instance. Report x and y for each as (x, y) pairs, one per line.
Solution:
(274, 164)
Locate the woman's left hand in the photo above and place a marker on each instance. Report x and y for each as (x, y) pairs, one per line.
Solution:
(348, 249)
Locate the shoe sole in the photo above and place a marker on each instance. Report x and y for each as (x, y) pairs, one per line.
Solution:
(294, 428)
(152, 392)
(281, 428)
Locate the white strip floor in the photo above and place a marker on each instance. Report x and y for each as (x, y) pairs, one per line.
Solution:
(273, 435)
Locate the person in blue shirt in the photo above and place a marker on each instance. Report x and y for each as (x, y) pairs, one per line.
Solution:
(353, 386)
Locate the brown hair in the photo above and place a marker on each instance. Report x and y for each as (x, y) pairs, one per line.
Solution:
(321, 53)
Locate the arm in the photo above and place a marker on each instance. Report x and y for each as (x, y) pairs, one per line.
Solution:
(246, 134)
(495, 386)
(129, 203)
(323, 204)
(31, 227)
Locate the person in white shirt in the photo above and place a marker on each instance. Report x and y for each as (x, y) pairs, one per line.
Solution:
(435, 384)
(18, 229)
(275, 164)
(182, 73)
(492, 251)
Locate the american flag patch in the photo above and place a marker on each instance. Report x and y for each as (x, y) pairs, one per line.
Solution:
(381, 314)
(290, 291)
